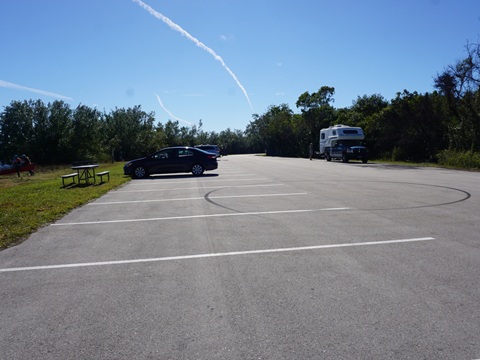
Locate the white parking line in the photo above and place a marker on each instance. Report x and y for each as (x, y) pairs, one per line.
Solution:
(193, 181)
(196, 216)
(194, 198)
(193, 188)
(199, 256)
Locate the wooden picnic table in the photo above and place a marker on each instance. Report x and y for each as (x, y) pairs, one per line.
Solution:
(85, 172)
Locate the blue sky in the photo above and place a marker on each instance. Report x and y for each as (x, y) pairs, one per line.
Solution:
(223, 60)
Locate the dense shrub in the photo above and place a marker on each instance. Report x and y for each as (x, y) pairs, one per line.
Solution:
(459, 159)
(399, 154)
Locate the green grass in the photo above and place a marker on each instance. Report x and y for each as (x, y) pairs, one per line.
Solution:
(29, 202)
(404, 163)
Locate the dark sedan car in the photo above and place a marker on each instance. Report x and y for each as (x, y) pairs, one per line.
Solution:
(172, 160)
(209, 148)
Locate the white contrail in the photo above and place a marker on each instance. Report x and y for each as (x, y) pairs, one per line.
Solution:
(168, 112)
(9, 85)
(197, 42)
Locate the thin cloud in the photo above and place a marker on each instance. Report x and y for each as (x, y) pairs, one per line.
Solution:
(168, 112)
(9, 85)
(194, 95)
(226, 37)
(197, 42)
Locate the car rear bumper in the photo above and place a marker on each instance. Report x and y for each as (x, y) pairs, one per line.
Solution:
(211, 166)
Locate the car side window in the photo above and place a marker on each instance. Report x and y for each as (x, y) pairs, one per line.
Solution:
(160, 155)
(185, 153)
(172, 153)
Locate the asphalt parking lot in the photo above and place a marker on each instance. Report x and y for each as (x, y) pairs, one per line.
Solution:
(263, 258)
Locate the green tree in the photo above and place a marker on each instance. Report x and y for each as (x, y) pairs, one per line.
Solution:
(365, 113)
(130, 133)
(86, 134)
(59, 135)
(256, 134)
(317, 112)
(232, 141)
(274, 130)
(40, 140)
(16, 129)
(366, 106)
(410, 128)
(172, 133)
(460, 84)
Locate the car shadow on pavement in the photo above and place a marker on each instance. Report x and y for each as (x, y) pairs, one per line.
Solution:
(176, 176)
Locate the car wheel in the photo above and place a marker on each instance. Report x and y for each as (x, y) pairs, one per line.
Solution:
(140, 172)
(197, 170)
(364, 161)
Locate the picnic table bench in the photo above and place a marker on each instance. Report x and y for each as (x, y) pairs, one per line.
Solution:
(72, 175)
(102, 174)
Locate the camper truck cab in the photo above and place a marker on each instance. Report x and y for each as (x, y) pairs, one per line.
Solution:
(343, 142)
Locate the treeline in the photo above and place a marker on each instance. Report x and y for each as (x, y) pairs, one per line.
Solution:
(54, 133)
(434, 127)
(442, 126)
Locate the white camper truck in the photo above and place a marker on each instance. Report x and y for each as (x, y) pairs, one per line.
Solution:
(343, 142)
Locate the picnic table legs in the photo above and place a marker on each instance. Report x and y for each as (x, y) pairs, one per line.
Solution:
(85, 175)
